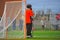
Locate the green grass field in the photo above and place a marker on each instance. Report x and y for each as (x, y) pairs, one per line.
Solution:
(37, 35)
(46, 35)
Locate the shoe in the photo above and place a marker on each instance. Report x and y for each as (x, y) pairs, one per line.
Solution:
(30, 36)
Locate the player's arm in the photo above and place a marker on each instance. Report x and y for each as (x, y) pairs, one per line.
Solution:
(32, 15)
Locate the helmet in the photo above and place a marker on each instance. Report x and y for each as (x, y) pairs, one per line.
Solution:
(29, 5)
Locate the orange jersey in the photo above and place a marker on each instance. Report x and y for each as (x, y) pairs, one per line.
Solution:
(29, 13)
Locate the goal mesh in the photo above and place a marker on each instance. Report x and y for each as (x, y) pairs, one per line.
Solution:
(12, 20)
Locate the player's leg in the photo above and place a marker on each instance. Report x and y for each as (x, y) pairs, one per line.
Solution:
(29, 28)
(43, 27)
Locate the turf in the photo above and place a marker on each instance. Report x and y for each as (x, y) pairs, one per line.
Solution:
(37, 35)
(46, 33)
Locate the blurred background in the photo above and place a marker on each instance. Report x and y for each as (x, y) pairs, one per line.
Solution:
(46, 10)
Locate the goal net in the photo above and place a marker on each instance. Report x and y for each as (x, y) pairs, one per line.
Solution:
(12, 20)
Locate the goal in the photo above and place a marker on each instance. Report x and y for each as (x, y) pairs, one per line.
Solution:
(12, 21)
